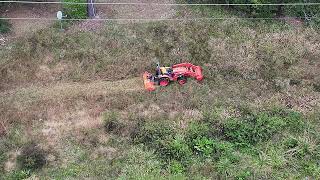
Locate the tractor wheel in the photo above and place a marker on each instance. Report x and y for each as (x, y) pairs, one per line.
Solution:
(182, 80)
(164, 82)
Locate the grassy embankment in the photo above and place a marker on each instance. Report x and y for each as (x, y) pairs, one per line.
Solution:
(253, 117)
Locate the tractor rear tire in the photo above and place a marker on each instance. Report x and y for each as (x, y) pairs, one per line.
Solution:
(164, 82)
(182, 80)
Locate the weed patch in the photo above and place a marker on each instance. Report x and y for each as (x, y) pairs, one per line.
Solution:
(252, 129)
(19, 175)
(241, 138)
(112, 122)
(154, 133)
(5, 26)
(32, 157)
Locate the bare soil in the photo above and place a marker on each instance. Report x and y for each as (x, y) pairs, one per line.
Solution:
(148, 11)
(27, 27)
(123, 12)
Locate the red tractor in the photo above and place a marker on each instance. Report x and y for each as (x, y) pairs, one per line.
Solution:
(177, 72)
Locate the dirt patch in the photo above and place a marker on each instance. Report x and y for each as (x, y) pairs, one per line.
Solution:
(3, 129)
(148, 11)
(11, 163)
(87, 26)
(27, 27)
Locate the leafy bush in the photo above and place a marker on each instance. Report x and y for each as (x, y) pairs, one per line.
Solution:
(178, 149)
(75, 11)
(291, 143)
(253, 129)
(5, 26)
(215, 148)
(294, 121)
(31, 157)
(176, 167)
(225, 149)
(239, 141)
(244, 175)
(197, 130)
(204, 146)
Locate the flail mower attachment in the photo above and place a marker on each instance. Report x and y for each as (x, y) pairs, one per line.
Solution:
(148, 82)
(177, 72)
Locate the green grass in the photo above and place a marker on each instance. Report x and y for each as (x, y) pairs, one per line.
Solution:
(5, 26)
(75, 11)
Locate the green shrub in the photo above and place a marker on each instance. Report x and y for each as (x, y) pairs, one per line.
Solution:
(176, 167)
(304, 149)
(260, 11)
(225, 149)
(243, 175)
(204, 146)
(291, 143)
(294, 121)
(252, 129)
(161, 136)
(31, 158)
(216, 149)
(5, 26)
(75, 11)
(178, 149)
(197, 130)
(310, 169)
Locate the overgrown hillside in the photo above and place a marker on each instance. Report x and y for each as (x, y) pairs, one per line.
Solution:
(72, 103)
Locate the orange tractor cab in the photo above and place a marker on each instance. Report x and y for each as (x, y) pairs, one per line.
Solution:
(177, 72)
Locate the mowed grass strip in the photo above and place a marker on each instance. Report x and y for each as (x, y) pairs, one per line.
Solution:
(60, 91)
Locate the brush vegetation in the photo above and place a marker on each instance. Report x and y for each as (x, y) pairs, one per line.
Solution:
(255, 116)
